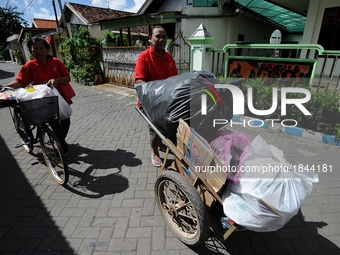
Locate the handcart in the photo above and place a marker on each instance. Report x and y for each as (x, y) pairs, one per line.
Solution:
(189, 200)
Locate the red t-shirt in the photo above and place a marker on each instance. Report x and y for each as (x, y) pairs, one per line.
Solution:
(38, 73)
(151, 67)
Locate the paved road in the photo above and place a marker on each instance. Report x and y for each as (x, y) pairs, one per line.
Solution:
(108, 206)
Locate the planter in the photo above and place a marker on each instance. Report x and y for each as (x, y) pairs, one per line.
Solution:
(98, 79)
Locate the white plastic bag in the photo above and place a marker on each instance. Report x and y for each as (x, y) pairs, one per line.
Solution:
(65, 111)
(269, 193)
(38, 91)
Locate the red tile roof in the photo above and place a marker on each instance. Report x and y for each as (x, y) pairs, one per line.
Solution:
(95, 14)
(44, 23)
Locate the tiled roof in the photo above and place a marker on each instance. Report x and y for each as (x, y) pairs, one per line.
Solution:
(44, 23)
(95, 14)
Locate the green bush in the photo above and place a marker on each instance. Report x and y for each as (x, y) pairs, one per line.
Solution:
(114, 37)
(323, 105)
(82, 54)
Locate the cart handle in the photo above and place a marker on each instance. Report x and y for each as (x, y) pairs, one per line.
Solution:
(166, 141)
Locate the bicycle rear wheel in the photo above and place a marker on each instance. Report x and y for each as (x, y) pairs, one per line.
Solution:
(54, 156)
(25, 134)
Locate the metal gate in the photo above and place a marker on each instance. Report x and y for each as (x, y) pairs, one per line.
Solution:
(180, 50)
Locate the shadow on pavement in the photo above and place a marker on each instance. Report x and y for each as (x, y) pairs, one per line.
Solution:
(94, 182)
(26, 226)
(296, 237)
(6, 75)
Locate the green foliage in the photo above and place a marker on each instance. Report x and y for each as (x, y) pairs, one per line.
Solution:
(114, 37)
(18, 55)
(27, 37)
(323, 105)
(337, 135)
(82, 54)
(11, 23)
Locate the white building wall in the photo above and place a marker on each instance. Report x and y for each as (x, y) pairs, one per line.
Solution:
(75, 20)
(226, 30)
(94, 29)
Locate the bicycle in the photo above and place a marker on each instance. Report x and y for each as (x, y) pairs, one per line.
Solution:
(36, 114)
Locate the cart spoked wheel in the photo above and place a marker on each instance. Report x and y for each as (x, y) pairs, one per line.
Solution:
(182, 208)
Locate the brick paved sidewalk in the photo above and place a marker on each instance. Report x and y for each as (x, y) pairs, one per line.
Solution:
(108, 206)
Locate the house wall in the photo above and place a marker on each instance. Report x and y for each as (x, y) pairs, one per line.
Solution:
(312, 30)
(95, 31)
(258, 32)
(172, 5)
(93, 28)
(314, 19)
(75, 20)
(225, 30)
(291, 38)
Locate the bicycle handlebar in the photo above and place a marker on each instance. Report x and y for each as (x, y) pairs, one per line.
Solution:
(4, 88)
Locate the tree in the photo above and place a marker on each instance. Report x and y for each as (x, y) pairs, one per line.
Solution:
(11, 23)
(82, 54)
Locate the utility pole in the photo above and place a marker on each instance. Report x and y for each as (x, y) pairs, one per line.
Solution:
(65, 25)
(63, 18)
(56, 18)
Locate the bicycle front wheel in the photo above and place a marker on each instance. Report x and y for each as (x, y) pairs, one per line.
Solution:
(54, 156)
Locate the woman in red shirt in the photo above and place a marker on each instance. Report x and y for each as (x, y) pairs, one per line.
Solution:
(41, 70)
(155, 64)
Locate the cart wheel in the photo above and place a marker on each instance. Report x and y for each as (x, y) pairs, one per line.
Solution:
(182, 208)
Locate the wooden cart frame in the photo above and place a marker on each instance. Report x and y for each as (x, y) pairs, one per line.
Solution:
(186, 212)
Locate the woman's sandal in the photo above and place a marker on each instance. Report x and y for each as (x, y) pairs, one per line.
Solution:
(155, 162)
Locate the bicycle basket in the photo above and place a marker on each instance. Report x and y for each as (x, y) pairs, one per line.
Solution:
(39, 110)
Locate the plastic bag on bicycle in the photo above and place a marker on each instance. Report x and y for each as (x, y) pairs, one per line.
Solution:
(38, 104)
(38, 91)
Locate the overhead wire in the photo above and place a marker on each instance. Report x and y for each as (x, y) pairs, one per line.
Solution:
(29, 5)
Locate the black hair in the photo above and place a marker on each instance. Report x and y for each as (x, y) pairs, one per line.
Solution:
(36, 39)
(157, 26)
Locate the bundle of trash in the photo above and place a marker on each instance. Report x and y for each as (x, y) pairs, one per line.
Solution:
(180, 96)
(265, 191)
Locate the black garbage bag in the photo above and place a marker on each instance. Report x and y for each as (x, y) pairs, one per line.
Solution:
(180, 96)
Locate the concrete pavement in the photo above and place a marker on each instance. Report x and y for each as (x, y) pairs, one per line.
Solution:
(108, 206)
